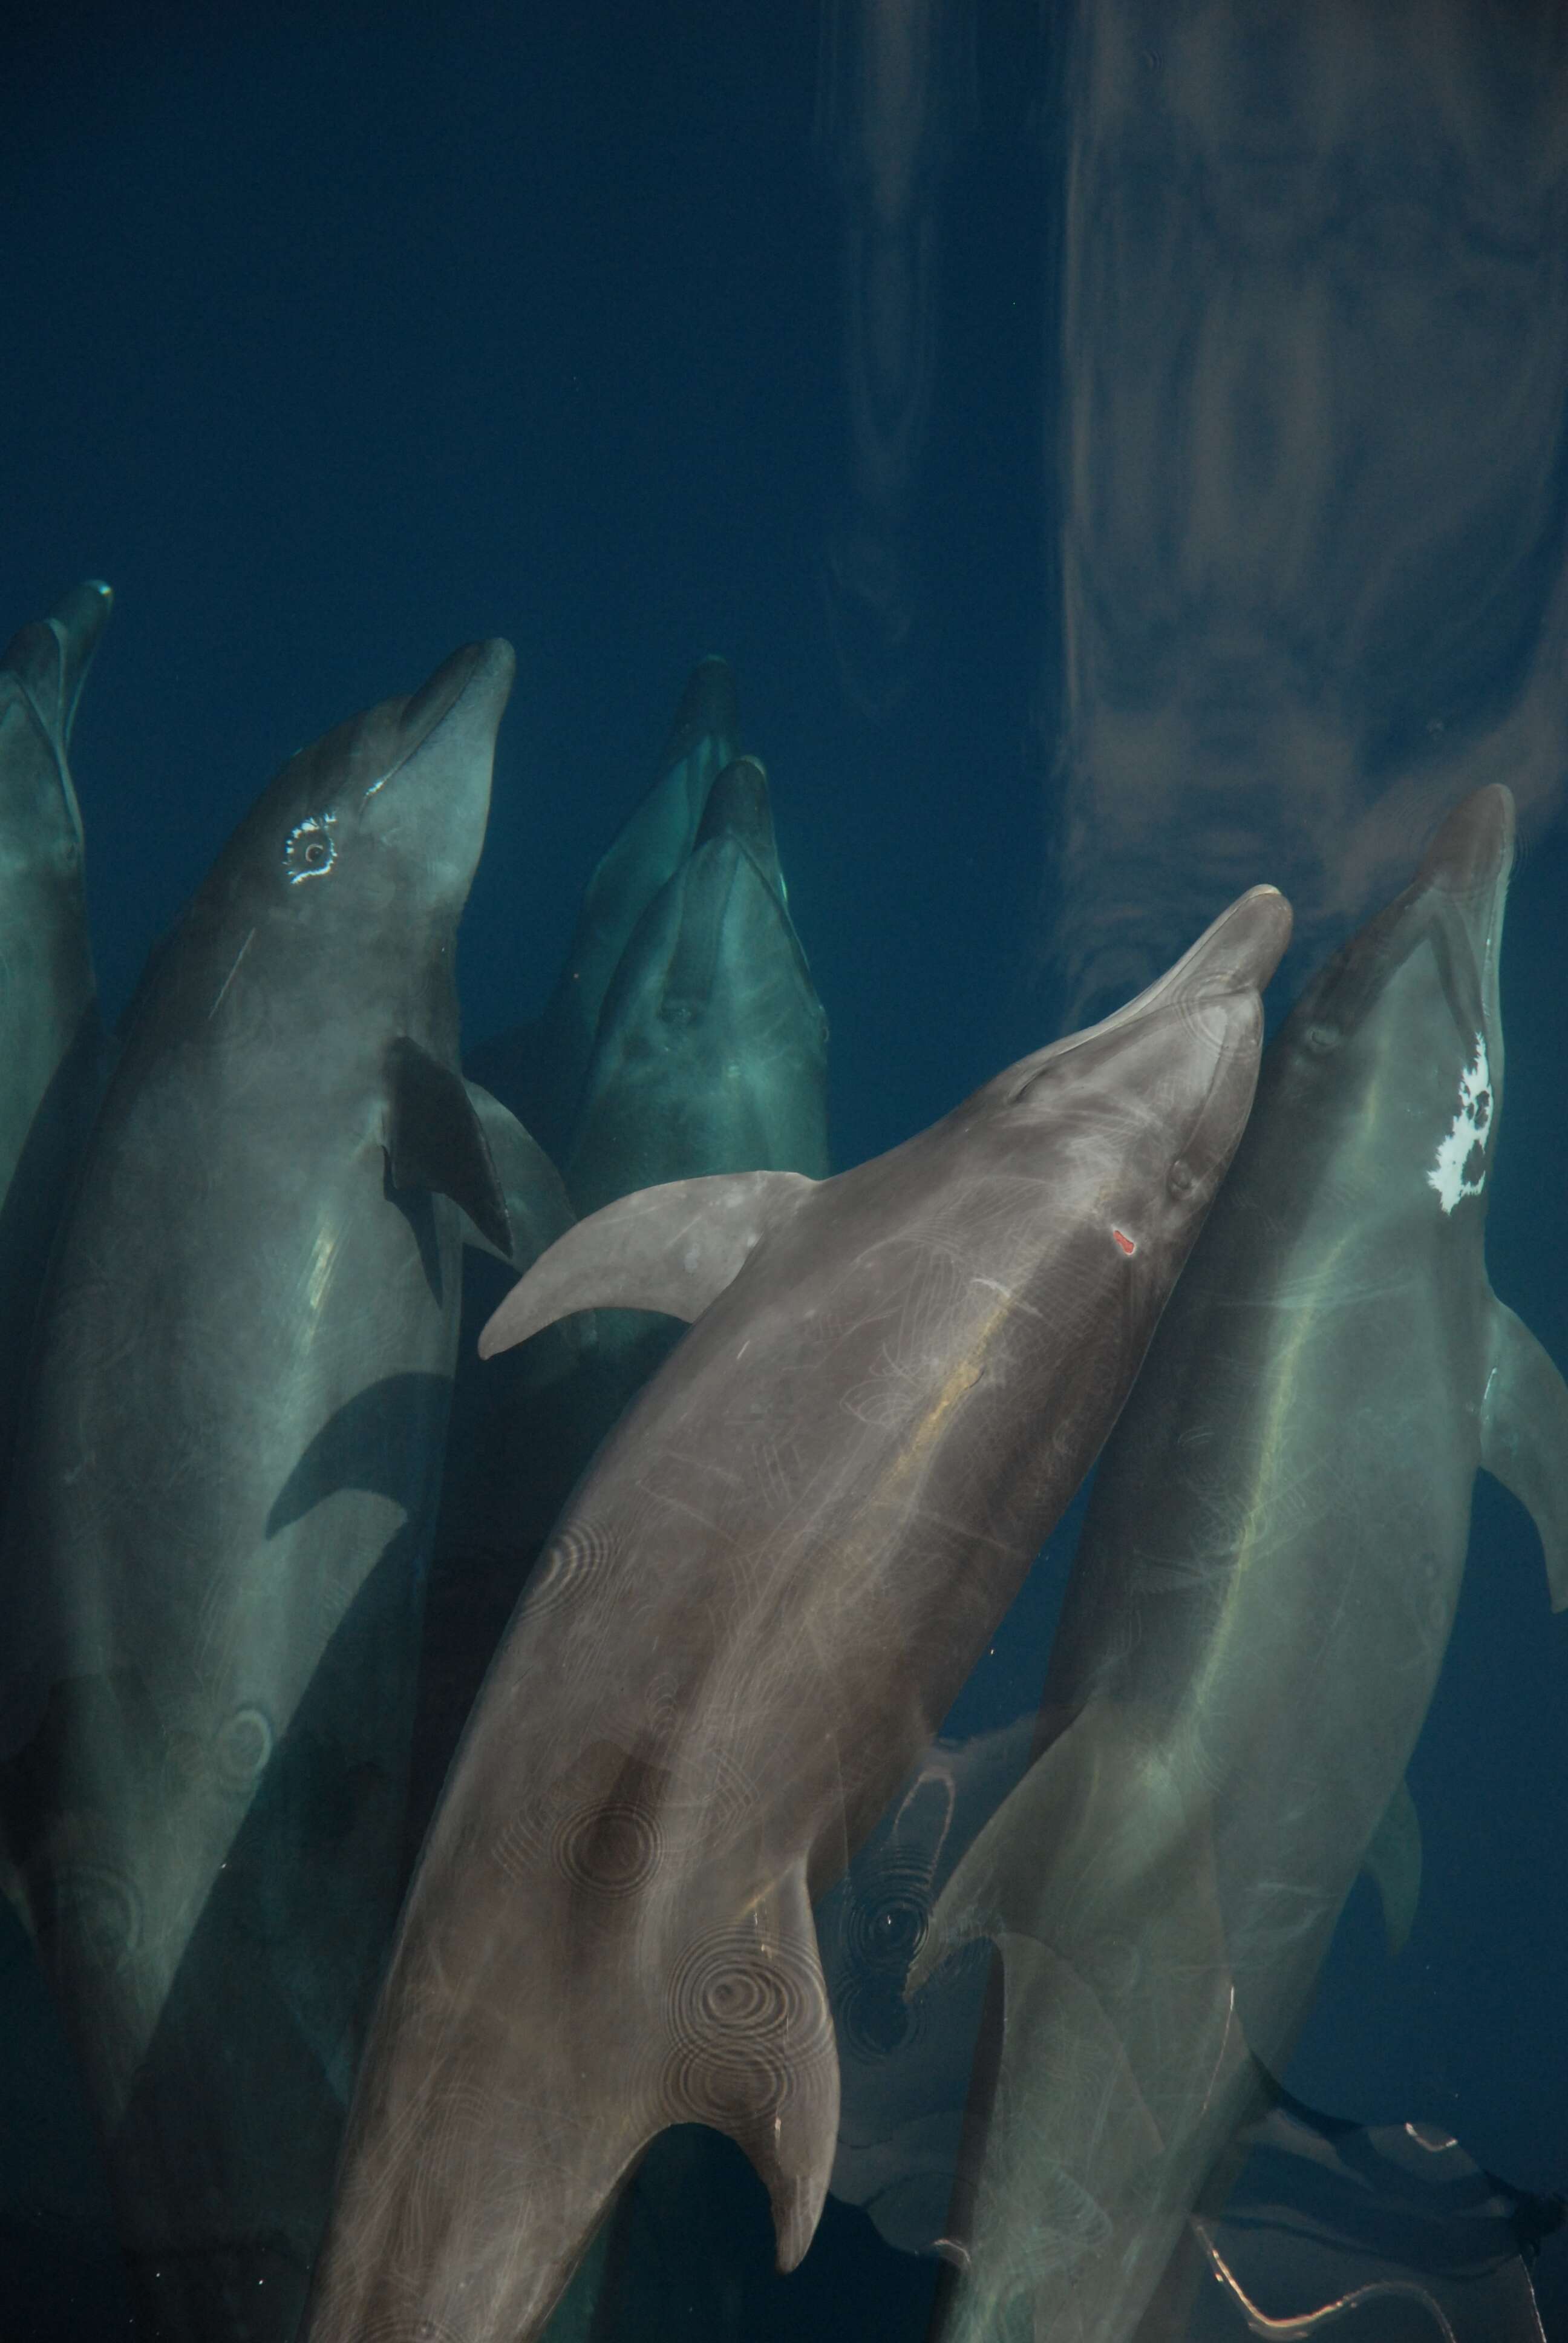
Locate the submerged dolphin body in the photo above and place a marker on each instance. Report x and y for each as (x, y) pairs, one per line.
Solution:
(537, 1068)
(750, 1620)
(1379, 2233)
(711, 1051)
(51, 1042)
(210, 1591)
(1257, 1614)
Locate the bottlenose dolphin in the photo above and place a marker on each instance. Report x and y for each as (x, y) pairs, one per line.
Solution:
(1257, 1612)
(537, 1068)
(711, 1057)
(51, 1040)
(751, 1618)
(211, 1588)
(711, 1049)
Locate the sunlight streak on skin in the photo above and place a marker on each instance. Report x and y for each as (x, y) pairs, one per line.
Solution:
(229, 978)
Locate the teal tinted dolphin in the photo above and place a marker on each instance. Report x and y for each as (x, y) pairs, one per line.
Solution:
(753, 1614)
(211, 1587)
(537, 1068)
(711, 1049)
(1258, 1612)
(51, 1042)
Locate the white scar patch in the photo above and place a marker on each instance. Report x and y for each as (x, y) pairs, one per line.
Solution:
(1461, 1166)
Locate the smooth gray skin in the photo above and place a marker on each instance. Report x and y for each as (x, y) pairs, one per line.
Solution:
(753, 1615)
(1258, 1612)
(210, 1593)
(51, 1042)
(537, 1068)
(712, 1047)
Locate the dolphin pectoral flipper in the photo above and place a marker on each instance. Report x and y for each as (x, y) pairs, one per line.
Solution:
(538, 1209)
(435, 1139)
(987, 1895)
(673, 1248)
(1525, 1438)
(1392, 1863)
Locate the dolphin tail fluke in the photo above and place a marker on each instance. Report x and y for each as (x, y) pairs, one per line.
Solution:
(1525, 1438)
(673, 1248)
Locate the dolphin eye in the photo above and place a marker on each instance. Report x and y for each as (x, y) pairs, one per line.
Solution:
(1181, 1179)
(1323, 1037)
(311, 849)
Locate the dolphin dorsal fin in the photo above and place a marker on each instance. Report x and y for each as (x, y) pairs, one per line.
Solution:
(435, 1139)
(1524, 1437)
(672, 1248)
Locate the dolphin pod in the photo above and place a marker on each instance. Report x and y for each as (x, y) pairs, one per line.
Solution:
(210, 1591)
(750, 1620)
(664, 1884)
(1257, 1614)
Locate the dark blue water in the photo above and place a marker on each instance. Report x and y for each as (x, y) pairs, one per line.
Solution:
(1189, 513)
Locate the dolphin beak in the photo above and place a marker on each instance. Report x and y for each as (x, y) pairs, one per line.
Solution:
(459, 709)
(1473, 852)
(78, 620)
(470, 688)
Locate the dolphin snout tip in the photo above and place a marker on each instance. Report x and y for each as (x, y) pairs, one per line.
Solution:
(1474, 846)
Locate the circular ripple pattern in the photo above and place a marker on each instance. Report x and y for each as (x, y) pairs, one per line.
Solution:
(746, 2020)
(567, 1567)
(887, 1928)
(101, 1910)
(242, 1747)
(610, 1850)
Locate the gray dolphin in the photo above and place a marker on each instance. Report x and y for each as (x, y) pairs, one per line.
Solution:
(711, 1057)
(51, 1042)
(711, 1048)
(537, 1068)
(750, 1621)
(210, 1591)
(1258, 1612)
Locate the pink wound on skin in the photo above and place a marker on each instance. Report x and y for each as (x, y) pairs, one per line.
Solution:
(1127, 1244)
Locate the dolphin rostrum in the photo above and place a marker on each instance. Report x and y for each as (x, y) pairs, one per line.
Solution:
(51, 1042)
(750, 1620)
(537, 1068)
(1257, 1614)
(210, 1591)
